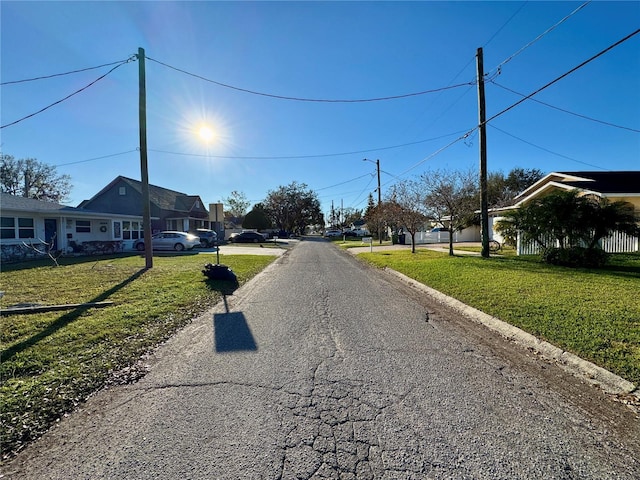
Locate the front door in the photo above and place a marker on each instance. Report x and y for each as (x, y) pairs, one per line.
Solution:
(50, 230)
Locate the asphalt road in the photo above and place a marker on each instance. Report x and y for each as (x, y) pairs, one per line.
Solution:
(324, 368)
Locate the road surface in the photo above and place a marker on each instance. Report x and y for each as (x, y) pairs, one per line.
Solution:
(322, 367)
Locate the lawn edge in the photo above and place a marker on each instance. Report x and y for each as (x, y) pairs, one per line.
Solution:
(609, 382)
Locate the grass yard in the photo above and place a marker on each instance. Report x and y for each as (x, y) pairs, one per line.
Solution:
(52, 361)
(594, 314)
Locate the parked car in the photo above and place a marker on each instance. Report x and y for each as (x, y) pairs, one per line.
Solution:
(169, 240)
(332, 233)
(361, 232)
(208, 238)
(246, 237)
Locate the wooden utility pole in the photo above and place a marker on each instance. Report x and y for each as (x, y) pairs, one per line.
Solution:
(144, 171)
(484, 207)
(379, 200)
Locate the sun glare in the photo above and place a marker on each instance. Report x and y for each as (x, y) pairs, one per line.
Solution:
(206, 133)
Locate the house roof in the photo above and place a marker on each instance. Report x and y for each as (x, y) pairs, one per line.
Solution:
(604, 183)
(13, 202)
(31, 205)
(163, 198)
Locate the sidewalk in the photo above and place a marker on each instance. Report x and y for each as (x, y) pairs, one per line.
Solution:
(438, 247)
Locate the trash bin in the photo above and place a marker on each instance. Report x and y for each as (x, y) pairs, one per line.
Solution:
(402, 238)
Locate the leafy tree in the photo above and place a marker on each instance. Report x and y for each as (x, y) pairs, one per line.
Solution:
(293, 207)
(33, 179)
(572, 223)
(350, 215)
(519, 179)
(502, 190)
(451, 198)
(236, 205)
(373, 216)
(257, 218)
(406, 205)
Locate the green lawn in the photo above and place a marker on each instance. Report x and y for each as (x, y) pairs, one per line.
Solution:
(52, 361)
(592, 313)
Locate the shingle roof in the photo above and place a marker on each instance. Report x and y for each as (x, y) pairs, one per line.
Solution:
(13, 202)
(607, 182)
(22, 204)
(163, 197)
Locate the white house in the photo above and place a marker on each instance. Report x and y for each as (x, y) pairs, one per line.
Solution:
(30, 221)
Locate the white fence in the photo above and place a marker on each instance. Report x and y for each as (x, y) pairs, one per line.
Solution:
(618, 242)
(430, 237)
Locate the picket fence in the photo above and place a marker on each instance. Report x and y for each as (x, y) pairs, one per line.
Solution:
(618, 242)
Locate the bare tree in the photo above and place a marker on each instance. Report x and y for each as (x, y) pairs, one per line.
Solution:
(451, 198)
(45, 248)
(407, 205)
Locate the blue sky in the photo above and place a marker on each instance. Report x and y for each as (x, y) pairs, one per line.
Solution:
(321, 51)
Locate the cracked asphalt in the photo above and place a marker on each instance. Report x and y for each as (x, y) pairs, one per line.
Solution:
(324, 368)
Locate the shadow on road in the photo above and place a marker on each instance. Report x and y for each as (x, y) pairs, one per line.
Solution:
(232, 333)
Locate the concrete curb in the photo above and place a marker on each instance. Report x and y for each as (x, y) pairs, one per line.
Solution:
(607, 381)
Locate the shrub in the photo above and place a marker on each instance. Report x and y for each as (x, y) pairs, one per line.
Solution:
(575, 257)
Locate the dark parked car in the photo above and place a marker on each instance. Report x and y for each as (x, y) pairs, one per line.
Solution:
(246, 237)
(208, 238)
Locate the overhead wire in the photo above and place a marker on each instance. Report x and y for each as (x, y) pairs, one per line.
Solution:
(293, 157)
(45, 77)
(548, 30)
(437, 152)
(546, 149)
(564, 110)
(68, 96)
(303, 99)
(619, 42)
(98, 158)
(346, 181)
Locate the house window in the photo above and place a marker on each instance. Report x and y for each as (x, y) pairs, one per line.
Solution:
(17, 227)
(131, 230)
(83, 226)
(172, 224)
(26, 228)
(117, 230)
(122, 191)
(7, 227)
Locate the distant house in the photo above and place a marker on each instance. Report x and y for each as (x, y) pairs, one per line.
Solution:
(615, 186)
(34, 222)
(170, 210)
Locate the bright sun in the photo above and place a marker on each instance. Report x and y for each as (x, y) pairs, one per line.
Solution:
(206, 133)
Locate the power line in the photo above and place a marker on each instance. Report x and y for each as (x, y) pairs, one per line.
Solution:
(546, 149)
(437, 152)
(66, 73)
(293, 157)
(302, 99)
(564, 75)
(346, 181)
(98, 158)
(553, 27)
(566, 111)
(67, 97)
(502, 27)
(263, 157)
